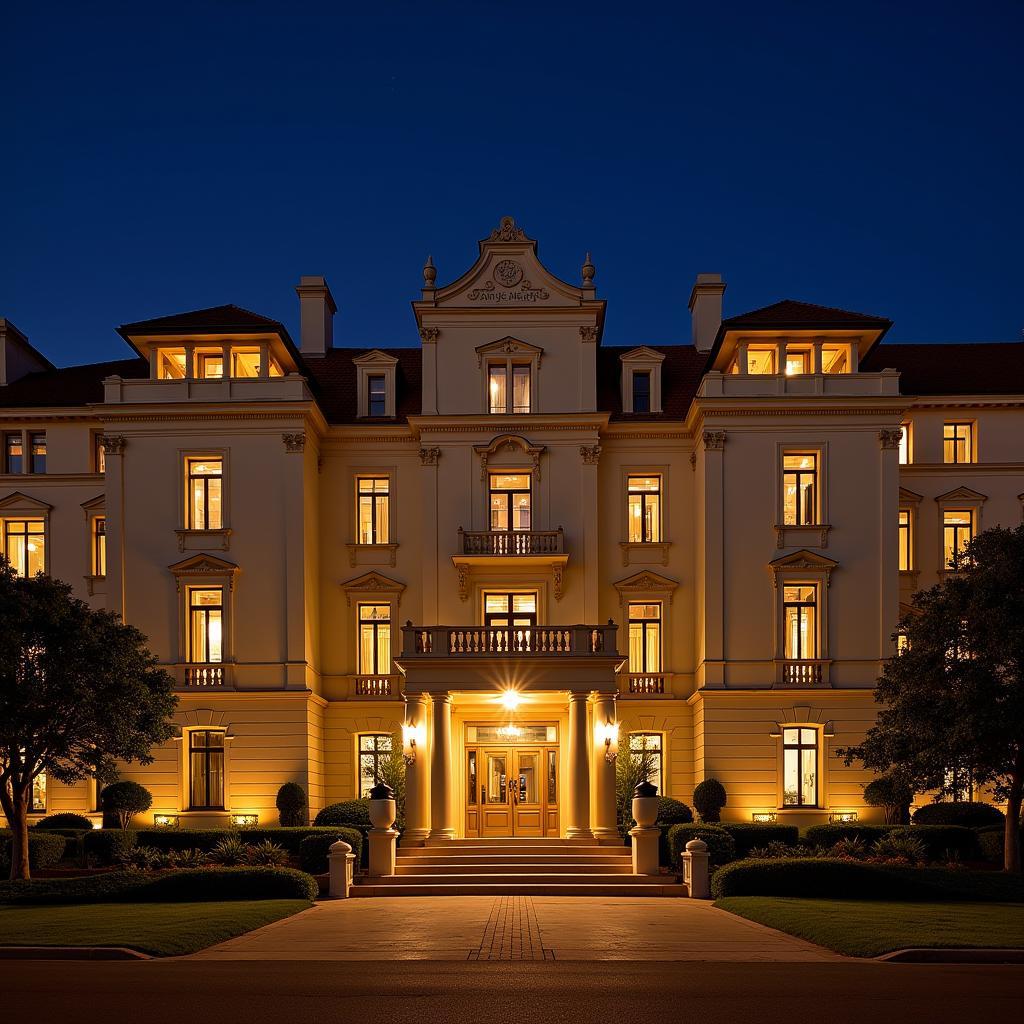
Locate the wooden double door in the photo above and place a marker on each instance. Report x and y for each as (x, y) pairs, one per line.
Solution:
(512, 791)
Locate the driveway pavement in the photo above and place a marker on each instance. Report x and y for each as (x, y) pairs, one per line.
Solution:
(484, 928)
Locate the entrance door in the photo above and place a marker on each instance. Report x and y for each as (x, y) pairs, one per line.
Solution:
(511, 791)
(496, 793)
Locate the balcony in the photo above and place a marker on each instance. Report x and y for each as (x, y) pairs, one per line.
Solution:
(511, 543)
(578, 641)
(647, 684)
(802, 673)
(376, 685)
(204, 677)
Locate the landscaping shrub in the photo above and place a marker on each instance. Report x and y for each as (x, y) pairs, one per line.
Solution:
(313, 850)
(747, 835)
(843, 879)
(892, 793)
(65, 820)
(292, 806)
(709, 797)
(942, 840)
(828, 835)
(670, 812)
(104, 888)
(721, 846)
(207, 838)
(354, 813)
(108, 845)
(44, 849)
(121, 801)
(967, 814)
(900, 845)
(229, 852)
(266, 854)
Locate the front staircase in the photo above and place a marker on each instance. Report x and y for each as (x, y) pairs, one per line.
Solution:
(516, 867)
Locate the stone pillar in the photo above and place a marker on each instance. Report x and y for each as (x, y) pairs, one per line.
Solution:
(417, 774)
(695, 869)
(603, 818)
(341, 860)
(383, 837)
(441, 769)
(579, 769)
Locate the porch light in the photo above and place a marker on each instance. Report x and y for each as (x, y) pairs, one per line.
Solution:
(511, 699)
(842, 817)
(245, 820)
(764, 817)
(412, 737)
(160, 821)
(608, 734)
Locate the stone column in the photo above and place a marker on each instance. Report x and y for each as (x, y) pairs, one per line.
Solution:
(441, 769)
(417, 774)
(579, 769)
(603, 818)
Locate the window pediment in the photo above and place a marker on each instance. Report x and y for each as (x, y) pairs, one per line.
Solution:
(961, 494)
(643, 354)
(97, 504)
(640, 363)
(17, 501)
(908, 497)
(373, 583)
(204, 567)
(645, 582)
(508, 347)
(803, 561)
(370, 365)
(375, 358)
(508, 442)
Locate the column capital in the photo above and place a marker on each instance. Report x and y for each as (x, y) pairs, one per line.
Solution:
(579, 694)
(443, 697)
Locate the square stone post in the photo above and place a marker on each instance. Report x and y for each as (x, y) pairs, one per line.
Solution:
(342, 865)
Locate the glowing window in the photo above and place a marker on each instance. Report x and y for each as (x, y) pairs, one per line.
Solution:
(644, 637)
(205, 492)
(799, 618)
(25, 545)
(206, 769)
(760, 360)
(374, 639)
(905, 549)
(209, 364)
(958, 442)
(374, 502)
(957, 533)
(797, 362)
(245, 362)
(799, 489)
(206, 625)
(800, 767)
(510, 499)
(170, 363)
(644, 500)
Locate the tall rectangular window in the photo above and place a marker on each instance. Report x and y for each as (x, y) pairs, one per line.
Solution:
(376, 395)
(206, 769)
(520, 389)
(374, 639)
(957, 533)
(374, 748)
(13, 457)
(498, 389)
(374, 509)
(646, 748)
(800, 625)
(38, 800)
(906, 551)
(25, 545)
(904, 444)
(642, 391)
(510, 498)
(799, 489)
(99, 454)
(205, 493)
(99, 546)
(800, 767)
(958, 442)
(644, 637)
(644, 497)
(37, 445)
(206, 625)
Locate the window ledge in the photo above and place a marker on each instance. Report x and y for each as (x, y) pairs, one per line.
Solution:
(909, 573)
(371, 554)
(203, 540)
(645, 552)
(96, 584)
(802, 536)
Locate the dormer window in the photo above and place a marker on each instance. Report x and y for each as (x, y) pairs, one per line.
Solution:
(245, 362)
(797, 362)
(170, 364)
(376, 394)
(642, 391)
(209, 364)
(502, 398)
(641, 381)
(375, 382)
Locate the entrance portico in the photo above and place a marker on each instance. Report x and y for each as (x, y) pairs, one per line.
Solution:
(510, 735)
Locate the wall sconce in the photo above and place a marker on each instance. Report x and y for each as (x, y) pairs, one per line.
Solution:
(842, 817)
(608, 734)
(245, 820)
(162, 821)
(412, 737)
(764, 817)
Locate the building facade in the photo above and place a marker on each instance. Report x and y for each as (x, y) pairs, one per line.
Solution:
(512, 550)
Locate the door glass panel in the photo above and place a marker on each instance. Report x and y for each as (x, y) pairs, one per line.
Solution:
(497, 779)
(552, 776)
(471, 775)
(528, 781)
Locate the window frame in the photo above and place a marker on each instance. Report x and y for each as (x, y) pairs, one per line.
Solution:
(645, 400)
(12, 437)
(644, 623)
(643, 495)
(971, 442)
(659, 750)
(375, 754)
(373, 495)
(187, 527)
(493, 472)
(509, 366)
(204, 611)
(905, 540)
(361, 669)
(8, 521)
(376, 397)
(206, 750)
(798, 474)
(799, 747)
(814, 605)
(98, 546)
(906, 444)
(956, 528)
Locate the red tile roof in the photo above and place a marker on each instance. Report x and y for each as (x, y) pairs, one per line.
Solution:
(806, 315)
(958, 368)
(333, 379)
(72, 385)
(681, 373)
(224, 318)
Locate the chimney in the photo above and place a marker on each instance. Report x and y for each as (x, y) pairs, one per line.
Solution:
(316, 316)
(706, 310)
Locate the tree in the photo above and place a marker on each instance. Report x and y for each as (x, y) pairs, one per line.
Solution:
(954, 696)
(894, 794)
(631, 768)
(121, 801)
(79, 691)
(709, 798)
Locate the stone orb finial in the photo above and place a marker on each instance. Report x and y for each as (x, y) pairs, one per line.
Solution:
(588, 272)
(429, 273)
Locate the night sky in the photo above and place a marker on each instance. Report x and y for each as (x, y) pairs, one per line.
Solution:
(163, 157)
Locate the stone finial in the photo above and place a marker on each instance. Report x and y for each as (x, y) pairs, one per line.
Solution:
(588, 272)
(429, 273)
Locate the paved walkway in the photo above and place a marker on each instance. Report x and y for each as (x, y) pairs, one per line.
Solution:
(517, 928)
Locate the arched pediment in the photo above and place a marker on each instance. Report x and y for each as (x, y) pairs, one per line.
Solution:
(511, 442)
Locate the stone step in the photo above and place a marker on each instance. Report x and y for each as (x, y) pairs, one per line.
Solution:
(517, 844)
(453, 886)
(500, 867)
(537, 877)
(514, 857)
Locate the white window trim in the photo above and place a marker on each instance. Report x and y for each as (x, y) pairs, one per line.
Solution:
(21, 506)
(373, 364)
(958, 498)
(373, 554)
(204, 540)
(810, 534)
(641, 360)
(960, 420)
(802, 568)
(644, 552)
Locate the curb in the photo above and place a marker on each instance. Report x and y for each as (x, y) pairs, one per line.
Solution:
(71, 953)
(953, 956)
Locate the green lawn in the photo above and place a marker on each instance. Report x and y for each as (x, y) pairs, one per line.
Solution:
(873, 927)
(161, 929)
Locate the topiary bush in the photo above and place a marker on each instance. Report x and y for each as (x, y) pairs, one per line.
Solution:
(292, 806)
(314, 850)
(828, 835)
(353, 813)
(64, 820)
(670, 812)
(121, 801)
(941, 841)
(709, 797)
(721, 846)
(965, 813)
(108, 845)
(45, 849)
(747, 835)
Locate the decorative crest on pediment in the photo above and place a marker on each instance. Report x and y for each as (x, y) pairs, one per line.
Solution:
(643, 583)
(510, 442)
(508, 346)
(373, 583)
(508, 231)
(204, 566)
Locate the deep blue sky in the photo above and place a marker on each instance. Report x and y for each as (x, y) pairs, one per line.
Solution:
(162, 157)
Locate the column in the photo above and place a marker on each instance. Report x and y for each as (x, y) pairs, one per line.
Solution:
(579, 769)
(417, 774)
(603, 817)
(441, 769)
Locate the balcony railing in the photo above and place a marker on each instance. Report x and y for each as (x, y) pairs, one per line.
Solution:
(801, 673)
(204, 676)
(503, 642)
(376, 685)
(647, 682)
(511, 543)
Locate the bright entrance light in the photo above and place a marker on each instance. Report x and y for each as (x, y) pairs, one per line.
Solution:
(511, 699)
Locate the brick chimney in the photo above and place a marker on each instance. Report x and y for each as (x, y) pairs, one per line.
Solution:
(316, 316)
(706, 310)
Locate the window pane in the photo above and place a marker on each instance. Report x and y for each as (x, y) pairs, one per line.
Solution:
(790, 778)
(652, 517)
(524, 604)
(497, 381)
(520, 389)
(99, 566)
(499, 511)
(209, 365)
(13, 456)
(245, 362)
(808, 777)
(653, 647)
(797, 362)
(641, 392)
(377, 395)
(198, 772)
(905, 444)
(38, 444)
(760, 360)
(552, 776)
(365, 519)
(494, 603)
(39, 792)
(834, 359)
(384, 647)
(636, 520)
(904, 541)
(790, 735)
(170, 363)
(521, 511)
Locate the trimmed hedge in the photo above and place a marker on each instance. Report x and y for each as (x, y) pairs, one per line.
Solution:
(721, 845)
(969, 815)
(354, 813)
(942, 840)
(829, 835)
(205, 839)
(107, 845)
(172, 886)
(313, 850)
(842, 879)
(65, 820)
(747, 835)
(673, 812)
(44, 849)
